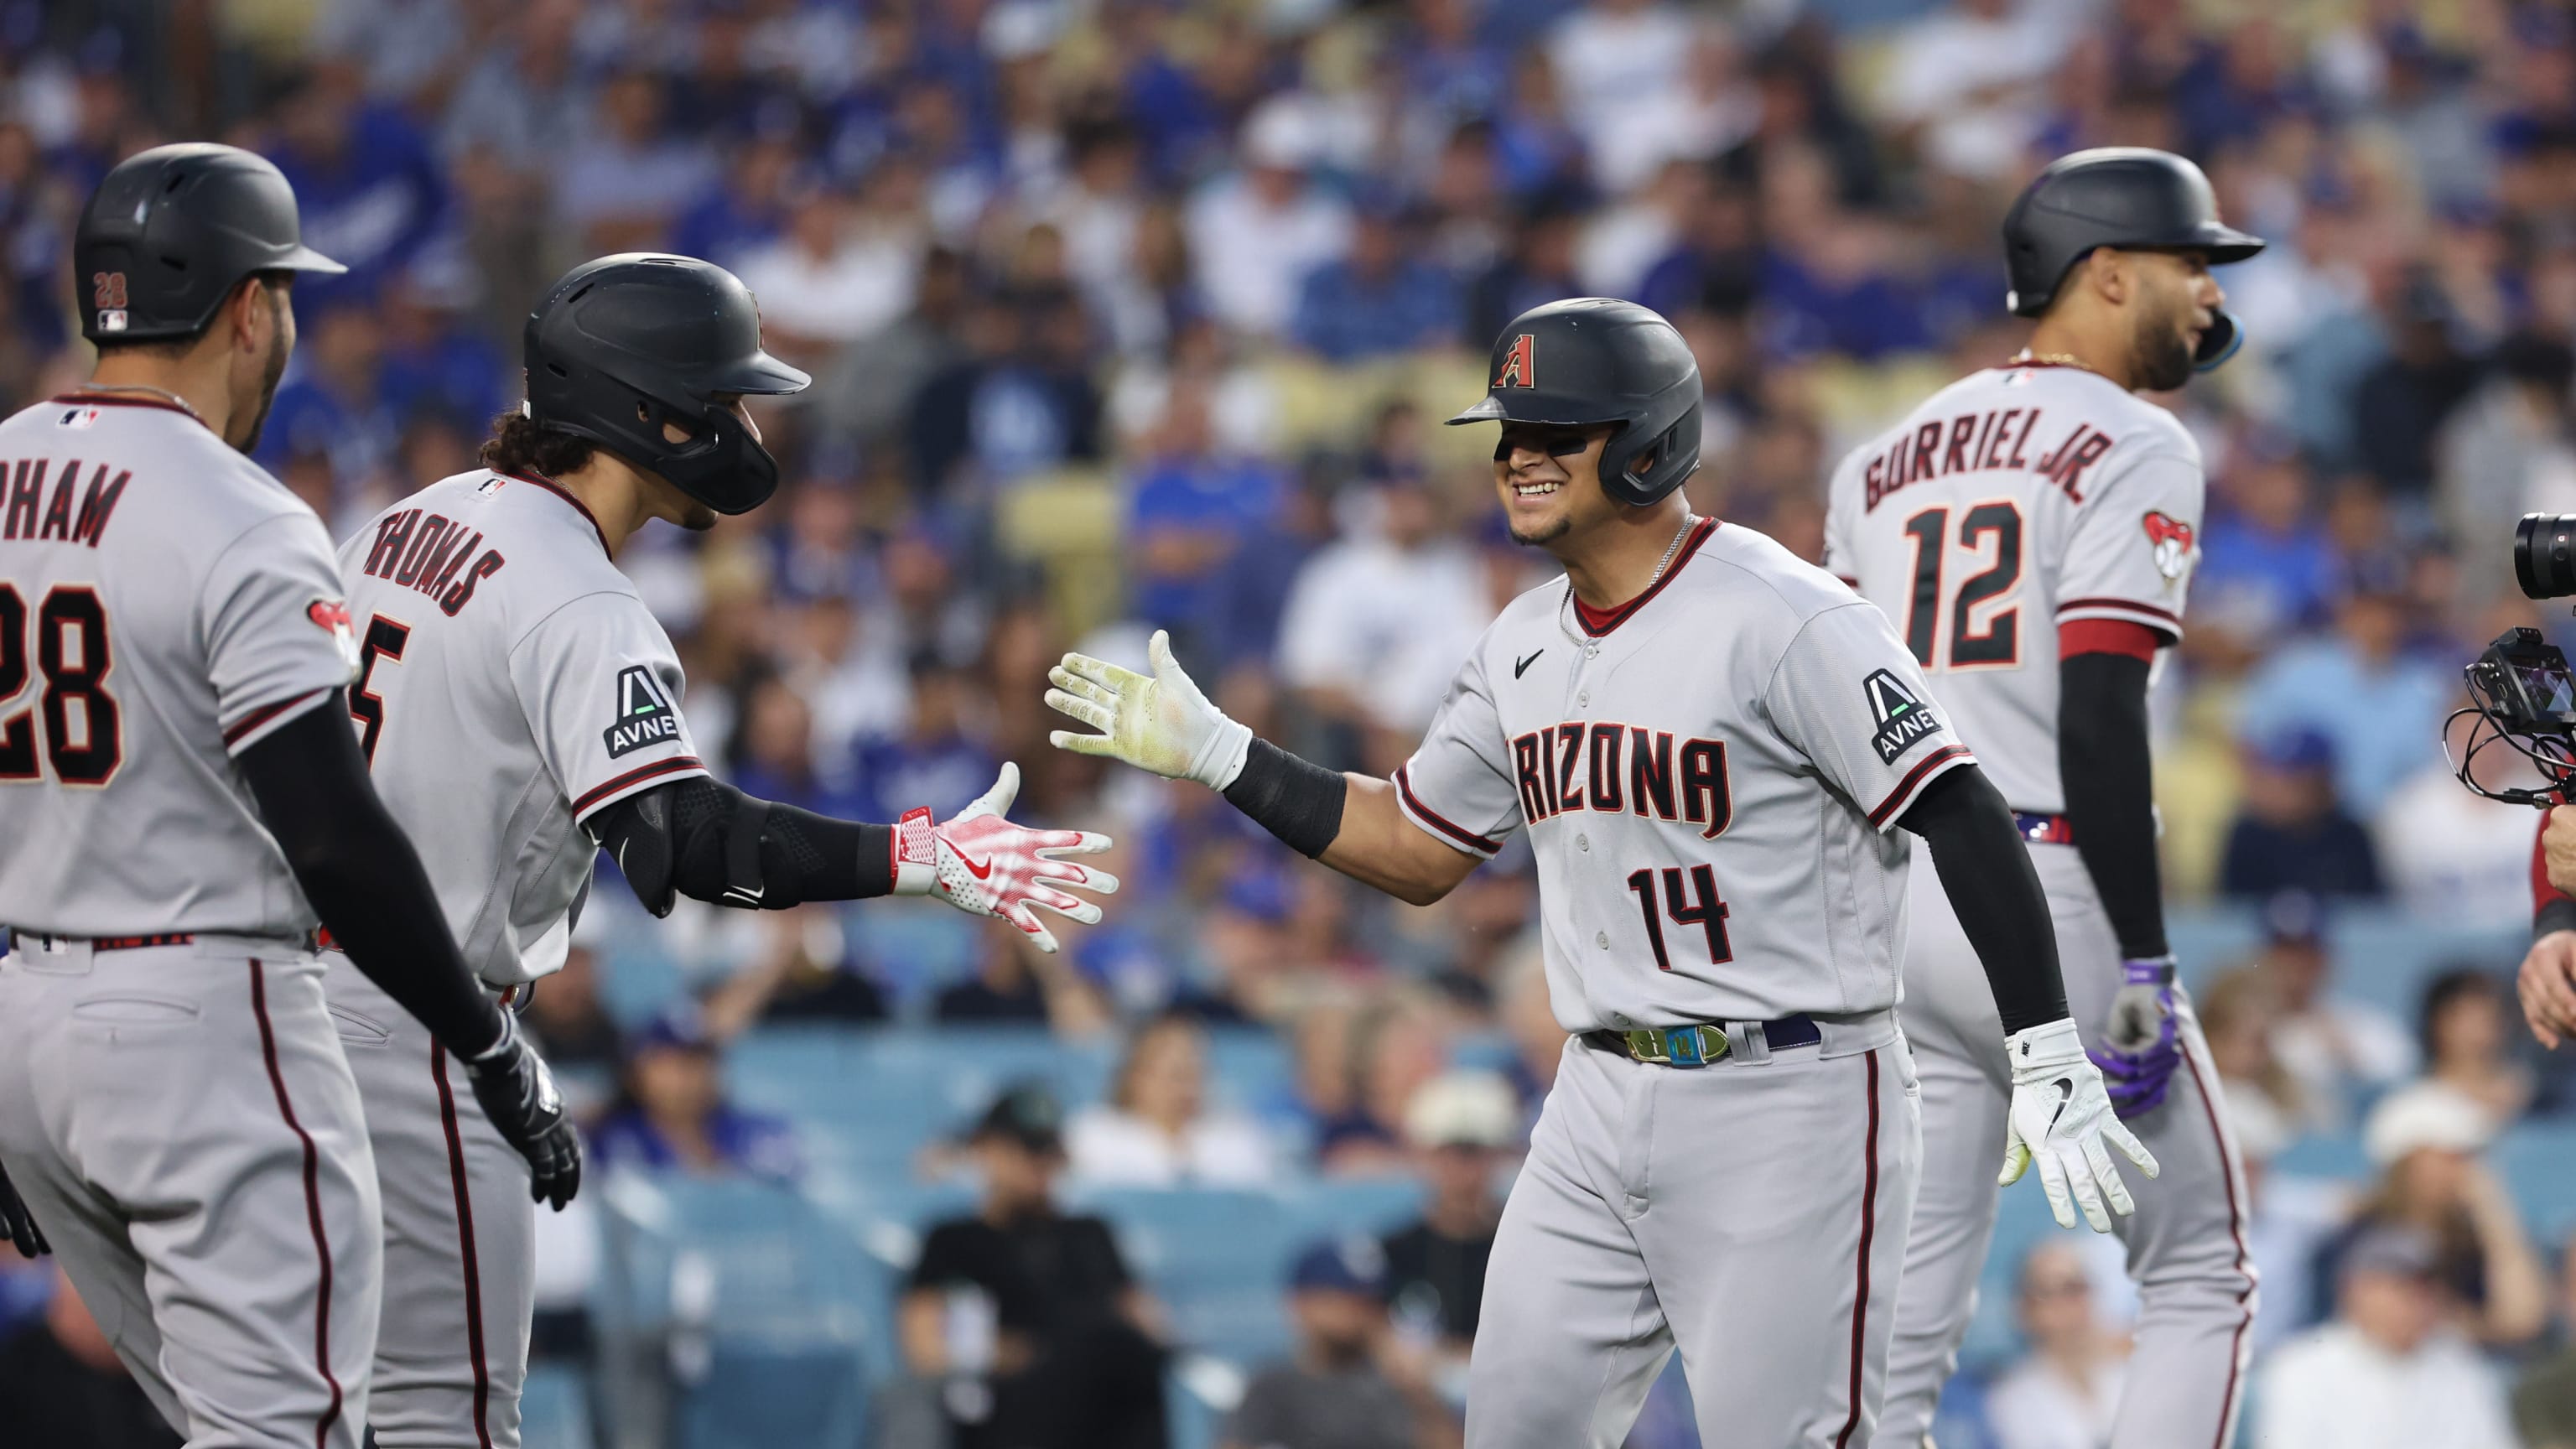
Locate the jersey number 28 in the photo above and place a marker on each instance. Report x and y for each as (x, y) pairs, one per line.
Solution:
(1995, 525)
(84, 739)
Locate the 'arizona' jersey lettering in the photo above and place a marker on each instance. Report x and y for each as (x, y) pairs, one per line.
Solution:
(1709, 779)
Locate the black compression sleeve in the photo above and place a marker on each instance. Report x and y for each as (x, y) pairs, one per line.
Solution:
(362, 876)
(710, 842)
(1297, 800)
(1986, 871)
(2103, 759)
(2555, 914)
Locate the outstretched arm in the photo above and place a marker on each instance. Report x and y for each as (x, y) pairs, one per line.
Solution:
(1162, 723)
(711, 842)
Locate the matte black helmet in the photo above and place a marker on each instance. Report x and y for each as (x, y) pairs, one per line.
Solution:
(2118, 196)
(627, 343)
(170, 231)
(1592, 360)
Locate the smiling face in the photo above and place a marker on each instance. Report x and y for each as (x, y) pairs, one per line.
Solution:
(1549, 480)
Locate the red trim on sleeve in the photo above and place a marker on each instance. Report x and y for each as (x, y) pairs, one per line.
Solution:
(2107, 636)
(1465, 837)
(677, 764)
(251, 722)
(1896, 799)
(2068, 606)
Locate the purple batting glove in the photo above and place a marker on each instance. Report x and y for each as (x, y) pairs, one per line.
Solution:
(2137, 1053)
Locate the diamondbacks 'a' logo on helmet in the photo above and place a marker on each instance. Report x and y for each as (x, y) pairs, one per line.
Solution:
(2171, 539)
(1519, 367)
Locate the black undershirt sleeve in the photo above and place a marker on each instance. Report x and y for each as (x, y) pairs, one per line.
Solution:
(1295, 799)
(2108, 775)
(708, 841)
(2556, 914)
(1986, 872)
(361, 875)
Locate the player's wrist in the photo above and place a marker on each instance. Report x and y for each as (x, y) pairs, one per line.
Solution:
(503, 1043)
(915, 850)
(1294, 799)
(1220, 758)
(2155, 971)
(2044, 1048)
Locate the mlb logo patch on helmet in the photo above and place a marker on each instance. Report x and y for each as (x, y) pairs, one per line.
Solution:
(1519, 364)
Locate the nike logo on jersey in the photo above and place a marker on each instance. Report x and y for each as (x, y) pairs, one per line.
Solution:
(1521, 666)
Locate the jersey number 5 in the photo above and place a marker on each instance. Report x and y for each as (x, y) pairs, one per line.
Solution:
(385, 639)
(1702, 908)
(72, 652)
(1999, 643)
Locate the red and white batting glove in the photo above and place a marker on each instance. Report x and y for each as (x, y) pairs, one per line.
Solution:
(985, 866)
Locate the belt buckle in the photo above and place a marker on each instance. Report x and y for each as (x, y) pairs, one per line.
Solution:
(1687, 1046)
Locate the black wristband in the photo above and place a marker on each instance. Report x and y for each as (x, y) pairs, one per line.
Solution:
(2556, 914)
(1297, 800)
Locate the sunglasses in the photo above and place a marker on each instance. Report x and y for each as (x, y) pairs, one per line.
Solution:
(1555, 443)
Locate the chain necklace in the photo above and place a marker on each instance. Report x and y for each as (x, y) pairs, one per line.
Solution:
(1565, 606)
(176, 401)
(2062, 359)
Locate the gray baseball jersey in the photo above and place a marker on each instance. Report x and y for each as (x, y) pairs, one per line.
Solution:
(2011, 504)
(163, 603)
(1709, 776)
(1998, 520)
(174, 1104)
(512, 683)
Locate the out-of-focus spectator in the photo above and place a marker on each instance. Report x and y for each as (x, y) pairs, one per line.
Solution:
(933, 760)
(805, 970)
(1379, 622)
(1395, 1051)
(2386, 1373)
(2426, 1139)
(1026, 1317)
(633, 172)
(1462, 1127)
(517, 101)
(1617, 53)
(2290, 832)
(1381, 299)
(1158, 1128)
(1019, 397)
(2267, 567)
(1348, 1387)
(2064, 1393)
(1537, 268)
(671, 1114)
(2510, 449)
(2380, 705)
(2451, 854)
(63, 1387)
(2334, 1044)
(2237, 1009)
(832, 276)
(369, 191)
(771, 754)
(2544, 1401)
(1015, 982)
(1970, 82)
(1192, 508)
(335, 407)
(2400, 405)
(2465, 1029)
(1255, 232)
(571, 1027)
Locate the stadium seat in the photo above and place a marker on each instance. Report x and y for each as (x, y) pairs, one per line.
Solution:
(1336, 1207)
(554, 1409)
(2336, 1156)
(761, 1396)
(1217, 1259)
(2537, 1160)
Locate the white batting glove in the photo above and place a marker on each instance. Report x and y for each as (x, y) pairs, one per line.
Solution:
(1159, 722)
(2060, 1117)
(985, 866)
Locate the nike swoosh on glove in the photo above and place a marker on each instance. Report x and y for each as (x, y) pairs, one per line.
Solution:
(518, 1093)
(986, 866)
(18, 1224)
(2060, 1118)
(2137, 1051)
(1158, 722)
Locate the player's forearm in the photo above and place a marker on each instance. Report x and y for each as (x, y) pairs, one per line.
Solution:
(362, 876)
(1986, 872)
(710, 842)
(2103, 759)
(1381, 849)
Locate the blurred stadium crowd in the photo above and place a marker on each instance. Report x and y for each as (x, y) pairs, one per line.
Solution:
(1136, 313)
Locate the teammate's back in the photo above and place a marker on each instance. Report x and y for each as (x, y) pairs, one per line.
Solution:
(163, 603)
(514, 683)
(1995, 521)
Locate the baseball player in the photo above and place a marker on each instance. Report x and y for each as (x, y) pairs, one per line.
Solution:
(520, 707)
(2031, 529)
(180, 805)
(1710, 744)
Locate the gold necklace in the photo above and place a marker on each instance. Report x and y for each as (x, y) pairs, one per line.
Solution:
(1565, 606)
(2062, 359)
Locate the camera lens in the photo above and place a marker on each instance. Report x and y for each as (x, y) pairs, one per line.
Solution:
(2544, 555)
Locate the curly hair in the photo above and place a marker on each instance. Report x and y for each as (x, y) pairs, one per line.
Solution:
(519, 444)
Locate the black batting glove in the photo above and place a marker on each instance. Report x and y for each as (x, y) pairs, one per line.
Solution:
(19, 1223)
(517, 1092)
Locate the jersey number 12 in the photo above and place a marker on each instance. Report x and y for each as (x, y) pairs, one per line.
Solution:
(1999, 643)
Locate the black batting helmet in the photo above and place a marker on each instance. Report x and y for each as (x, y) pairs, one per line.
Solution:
(2118, 196)
(627, 343)
(170, 231)
(1592, 360)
